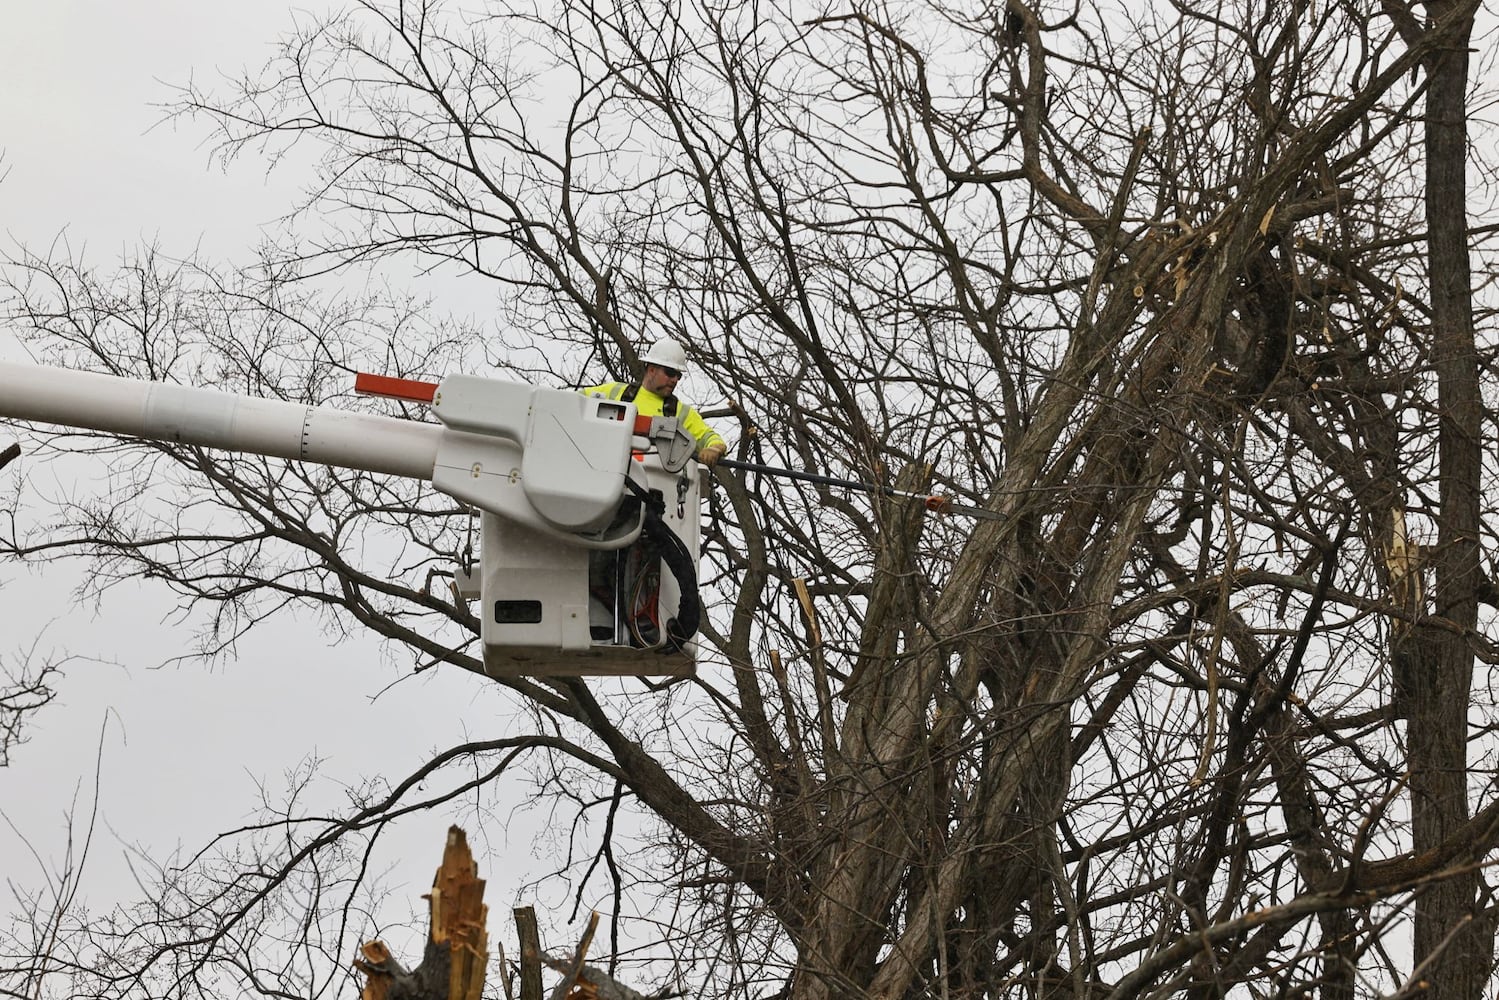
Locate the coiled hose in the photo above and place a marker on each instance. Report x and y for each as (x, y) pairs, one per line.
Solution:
(674, 553)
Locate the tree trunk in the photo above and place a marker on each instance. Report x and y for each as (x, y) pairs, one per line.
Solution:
(1439, 650)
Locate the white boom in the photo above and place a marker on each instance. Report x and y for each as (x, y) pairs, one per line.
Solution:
(210, 419)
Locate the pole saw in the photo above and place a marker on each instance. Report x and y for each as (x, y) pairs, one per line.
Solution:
(932, 501)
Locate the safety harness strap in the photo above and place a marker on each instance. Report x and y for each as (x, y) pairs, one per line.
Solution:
(668, 407)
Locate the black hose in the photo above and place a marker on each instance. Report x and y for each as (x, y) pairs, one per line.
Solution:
(674, 553)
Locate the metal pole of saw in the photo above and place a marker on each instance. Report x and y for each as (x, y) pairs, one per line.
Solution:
(933, 501)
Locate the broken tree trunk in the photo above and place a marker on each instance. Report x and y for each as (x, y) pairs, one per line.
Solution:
(584, 982)
(530, 954)
(457, 945)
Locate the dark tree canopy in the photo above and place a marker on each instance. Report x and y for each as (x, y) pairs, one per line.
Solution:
(1190, 297)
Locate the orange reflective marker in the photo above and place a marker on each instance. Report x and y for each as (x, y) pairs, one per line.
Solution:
(409, 389)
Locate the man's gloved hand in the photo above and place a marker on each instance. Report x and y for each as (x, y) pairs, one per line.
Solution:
(712, 453)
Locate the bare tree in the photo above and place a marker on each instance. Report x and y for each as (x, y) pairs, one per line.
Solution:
(1181, 296)
(26, 687)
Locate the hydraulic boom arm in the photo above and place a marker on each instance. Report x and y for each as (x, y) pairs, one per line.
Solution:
(211, 419)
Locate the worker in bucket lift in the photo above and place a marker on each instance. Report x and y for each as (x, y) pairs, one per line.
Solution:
(655, 395)
(621, 601)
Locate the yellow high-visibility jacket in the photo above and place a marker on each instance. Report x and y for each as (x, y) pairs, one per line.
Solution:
(648, 404)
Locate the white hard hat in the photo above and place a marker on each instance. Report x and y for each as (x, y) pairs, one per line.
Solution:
(666, 353)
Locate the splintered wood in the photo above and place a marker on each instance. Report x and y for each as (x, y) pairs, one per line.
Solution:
(573, 986)
(589, 983)
(457, 947)
(459, 917)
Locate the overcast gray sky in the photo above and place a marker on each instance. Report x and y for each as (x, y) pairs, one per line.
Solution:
(184, 749)
(79, 82)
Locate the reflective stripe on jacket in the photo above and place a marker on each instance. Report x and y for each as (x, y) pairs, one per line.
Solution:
(648, 404)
